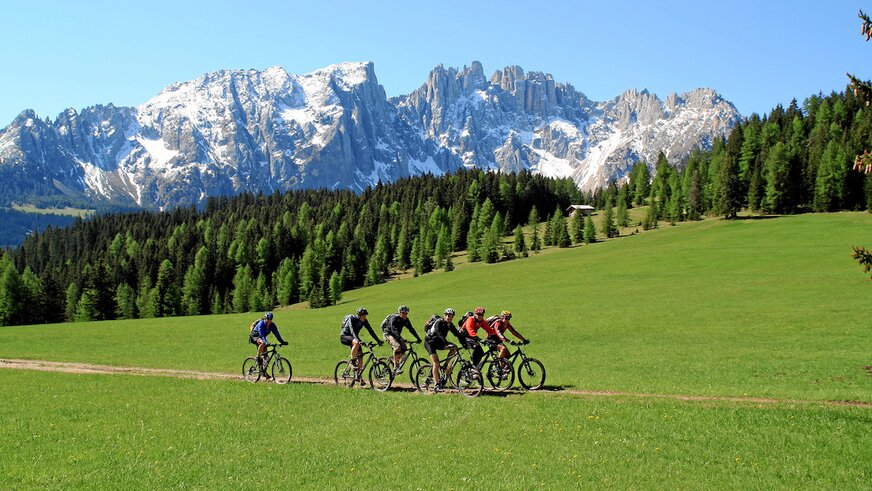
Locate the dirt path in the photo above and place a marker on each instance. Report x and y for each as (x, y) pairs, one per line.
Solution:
(87, 368)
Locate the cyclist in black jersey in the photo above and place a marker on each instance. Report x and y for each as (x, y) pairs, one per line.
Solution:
(349, 335)
(435, 339)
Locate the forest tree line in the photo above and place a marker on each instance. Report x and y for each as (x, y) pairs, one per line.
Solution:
(252, 252)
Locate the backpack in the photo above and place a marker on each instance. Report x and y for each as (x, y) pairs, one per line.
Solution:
(490, 320)
(428, 326)
(387, 324)
(463, 318)
(251, 330)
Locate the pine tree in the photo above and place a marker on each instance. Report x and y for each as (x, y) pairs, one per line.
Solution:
(72, 300)
(589, 230)
(491, 242)
(830, 181)
(125, 299)
(641, 180)
(561, 232)
(12, 293)
(548, 236)
(416, 257)
(287, 282)
(533, 217)
(650, 220)
(442, 247)
(86, 309)
(242, 284)
(373, 277)
(261, 298)
(520, 244)
(576, 227)
(535, 241)
(401, 255)
(473, 238)
(34, 298)
(727, 190)
(449, 264)
(168, 296)
(608, 221)
(776, 166)
(335, 288)
(194, 289)
(217, 305)
(320, 296)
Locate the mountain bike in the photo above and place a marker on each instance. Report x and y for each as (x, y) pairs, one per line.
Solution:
(380, 374)
(278, 366)
(499, 372)
(462, 373)
(409, 354)
(531, 372)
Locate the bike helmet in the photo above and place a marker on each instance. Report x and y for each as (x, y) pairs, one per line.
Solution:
(506, 315)
(362, 311)
(479, 311)
(268, 316)
(403, 308)
(449, 312)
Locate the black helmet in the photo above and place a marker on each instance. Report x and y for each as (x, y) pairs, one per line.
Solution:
(403, 308)
(449, 311)
(268, 316)
(362, 311)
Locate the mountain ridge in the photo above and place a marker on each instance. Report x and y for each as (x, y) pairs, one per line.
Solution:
(230, 131)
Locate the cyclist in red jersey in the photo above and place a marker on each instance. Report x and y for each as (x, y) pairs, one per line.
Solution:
(500, 324)
(471, 327)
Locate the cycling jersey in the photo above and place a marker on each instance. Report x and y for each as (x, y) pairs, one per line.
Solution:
(393, 326)
(440, 329)
(472, 326)
(352, 325)
(501, 325)
(262, 330)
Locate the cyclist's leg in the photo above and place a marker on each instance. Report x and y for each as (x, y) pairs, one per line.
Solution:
(356, 351)
(399, 347)
(452, 351)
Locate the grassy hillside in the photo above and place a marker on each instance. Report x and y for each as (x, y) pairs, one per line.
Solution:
(767, 307)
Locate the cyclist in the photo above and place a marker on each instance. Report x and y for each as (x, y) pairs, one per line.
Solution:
(392, 329)
(435, 339)
(500, 323)
(349, 335)
(471, 327)
(259, 331)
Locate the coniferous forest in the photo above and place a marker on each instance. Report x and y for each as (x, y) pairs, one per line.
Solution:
(252, 252)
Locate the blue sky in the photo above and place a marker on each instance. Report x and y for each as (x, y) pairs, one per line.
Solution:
(60, 54)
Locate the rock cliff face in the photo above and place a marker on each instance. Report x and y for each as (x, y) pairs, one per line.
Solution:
(232, 131)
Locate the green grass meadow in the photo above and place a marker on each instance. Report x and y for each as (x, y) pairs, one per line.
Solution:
(767, 307)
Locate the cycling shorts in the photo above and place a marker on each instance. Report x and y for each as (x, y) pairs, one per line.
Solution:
(431, 345)
(346, 340)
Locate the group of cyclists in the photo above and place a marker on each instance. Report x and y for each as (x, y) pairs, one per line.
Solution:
(435, 336)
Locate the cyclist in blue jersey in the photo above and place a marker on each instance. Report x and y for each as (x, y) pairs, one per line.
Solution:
(263, 328)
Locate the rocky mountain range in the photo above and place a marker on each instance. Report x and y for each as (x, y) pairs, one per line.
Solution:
(250, 130)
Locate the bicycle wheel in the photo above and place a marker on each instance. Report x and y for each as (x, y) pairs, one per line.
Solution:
(424, 378)
(531, 374)
(500, 373)
(469, 381)
(343, 374)
(281, 370)
(380, 376)
(251, 369)
(416, 364)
